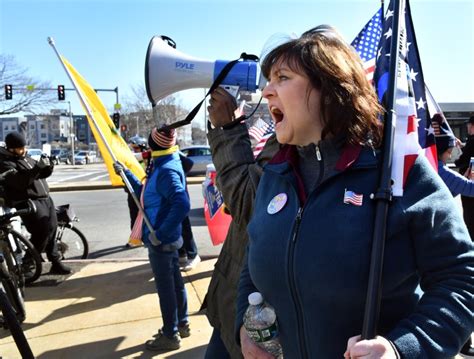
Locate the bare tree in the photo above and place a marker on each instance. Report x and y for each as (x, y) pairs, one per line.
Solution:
(30, 101)
(198, 136)
(138, 109)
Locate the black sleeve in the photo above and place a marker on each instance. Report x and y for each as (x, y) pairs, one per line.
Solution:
(46, 172)
(22, 179)
(467, 152)
(186, 162)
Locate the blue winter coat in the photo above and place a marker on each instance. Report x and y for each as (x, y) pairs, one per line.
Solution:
(166, 201)
(310, 260)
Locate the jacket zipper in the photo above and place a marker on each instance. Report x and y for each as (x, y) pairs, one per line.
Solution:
(291, 260)
(318, 153)
(321, 166)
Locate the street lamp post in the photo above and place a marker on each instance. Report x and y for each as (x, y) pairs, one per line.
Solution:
(205, 117)
(72, 133)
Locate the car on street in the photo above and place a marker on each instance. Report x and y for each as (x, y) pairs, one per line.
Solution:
(60, 155)
(35, 153)
(85, 157)
(201, 156)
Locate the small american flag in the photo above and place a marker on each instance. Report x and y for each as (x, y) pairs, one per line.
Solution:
(366, 43)
(260, 144)
(258, 129)
(351, 197)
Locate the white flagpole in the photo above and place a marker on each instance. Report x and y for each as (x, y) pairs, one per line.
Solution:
(125, 180)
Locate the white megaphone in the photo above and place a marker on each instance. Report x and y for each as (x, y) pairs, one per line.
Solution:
(168, 70)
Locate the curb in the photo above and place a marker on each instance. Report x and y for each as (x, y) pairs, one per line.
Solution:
(101, 185)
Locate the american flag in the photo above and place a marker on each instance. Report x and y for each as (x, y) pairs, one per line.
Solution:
(351, 197)
(258, 129)
(366, 43)
(414, 134)
(260, 144)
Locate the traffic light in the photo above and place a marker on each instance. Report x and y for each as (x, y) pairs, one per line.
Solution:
(116, 120)
(123, 128)
(8, 92)
(61, 93)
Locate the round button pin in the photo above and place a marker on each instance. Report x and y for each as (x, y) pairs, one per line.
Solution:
(277, 203)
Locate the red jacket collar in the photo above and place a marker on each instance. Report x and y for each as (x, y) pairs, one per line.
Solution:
(349, 155)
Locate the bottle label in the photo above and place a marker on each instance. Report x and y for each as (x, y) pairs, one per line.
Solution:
(263, 335)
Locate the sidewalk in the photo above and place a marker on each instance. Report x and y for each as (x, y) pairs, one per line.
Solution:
(106, 309)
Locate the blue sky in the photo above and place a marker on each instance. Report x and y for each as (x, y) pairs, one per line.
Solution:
(107, 40)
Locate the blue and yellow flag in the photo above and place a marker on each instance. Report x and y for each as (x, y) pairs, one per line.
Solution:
(99, 121)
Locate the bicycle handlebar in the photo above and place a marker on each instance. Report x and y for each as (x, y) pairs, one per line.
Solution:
(7, 213)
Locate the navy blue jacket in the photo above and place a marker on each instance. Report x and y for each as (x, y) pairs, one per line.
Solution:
(166, 201)
(310, 260)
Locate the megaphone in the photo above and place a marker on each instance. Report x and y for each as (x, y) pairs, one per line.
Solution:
(168, 70)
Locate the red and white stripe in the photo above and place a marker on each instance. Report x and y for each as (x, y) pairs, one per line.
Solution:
(369, 67)
(259, 146)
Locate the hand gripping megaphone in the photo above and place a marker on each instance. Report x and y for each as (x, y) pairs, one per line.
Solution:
(168, 70)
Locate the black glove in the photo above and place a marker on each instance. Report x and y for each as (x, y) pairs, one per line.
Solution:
(44, 162)
(118, 167)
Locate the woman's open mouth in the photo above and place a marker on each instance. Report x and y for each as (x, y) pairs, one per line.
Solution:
(276, 114)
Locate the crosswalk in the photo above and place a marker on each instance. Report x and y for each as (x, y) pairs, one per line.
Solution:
(87, 173)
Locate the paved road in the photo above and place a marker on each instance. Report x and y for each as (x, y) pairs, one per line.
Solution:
(104, 219)
(84, 173)
(104, 216)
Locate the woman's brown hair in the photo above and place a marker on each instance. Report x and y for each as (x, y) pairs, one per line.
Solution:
(349, 105)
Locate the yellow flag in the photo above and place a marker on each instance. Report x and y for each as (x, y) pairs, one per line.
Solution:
(99, 120)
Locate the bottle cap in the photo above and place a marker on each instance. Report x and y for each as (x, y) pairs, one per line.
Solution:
(255, 298)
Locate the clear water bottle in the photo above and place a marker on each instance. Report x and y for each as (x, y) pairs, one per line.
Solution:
(261, 325)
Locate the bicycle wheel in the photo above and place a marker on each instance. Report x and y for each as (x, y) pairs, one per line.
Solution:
(72, 244)
(14, 326)
(31, 265)
(10, 282)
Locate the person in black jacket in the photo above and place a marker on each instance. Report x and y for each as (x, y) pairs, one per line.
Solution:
(29, 183)
(467, 202)
(463, 163)
(188, 253)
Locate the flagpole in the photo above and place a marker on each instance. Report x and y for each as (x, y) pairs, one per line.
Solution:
(125, 180)
(383, 196)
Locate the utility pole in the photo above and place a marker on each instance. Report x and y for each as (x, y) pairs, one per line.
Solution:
(205, 119)
(72, 133)
(111, 90)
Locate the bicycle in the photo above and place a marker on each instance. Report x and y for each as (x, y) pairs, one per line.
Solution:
(31, 261)
(14, 326)
(72, 244)
(13, 249)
